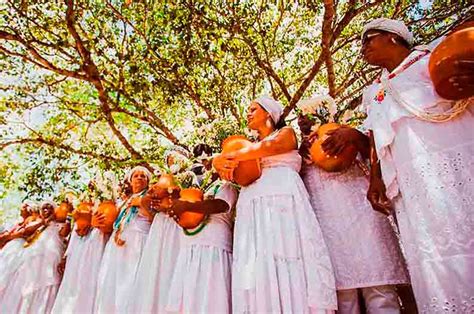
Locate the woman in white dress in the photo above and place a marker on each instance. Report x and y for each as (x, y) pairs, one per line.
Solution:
(83, 259)
(33, 287)
(426, 165)
(10, 254)
(202, 278)
(364, 249)
(160, 253)
(124, 249)
(280, 261)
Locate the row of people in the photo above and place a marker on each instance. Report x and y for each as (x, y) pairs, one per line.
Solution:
(298, 245)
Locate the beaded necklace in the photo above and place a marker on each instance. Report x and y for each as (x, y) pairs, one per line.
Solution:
(216, 186)
(456, 107)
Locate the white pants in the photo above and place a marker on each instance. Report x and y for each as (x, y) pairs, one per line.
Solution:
(378, 299)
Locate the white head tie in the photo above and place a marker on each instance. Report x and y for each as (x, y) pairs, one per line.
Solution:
(273, 107)
(128, 176)
(393, 26)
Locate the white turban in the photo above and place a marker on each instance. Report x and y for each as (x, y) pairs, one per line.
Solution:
(129, 175)
(393, 26)
(175, 149)
(273, 107)
(53, 204)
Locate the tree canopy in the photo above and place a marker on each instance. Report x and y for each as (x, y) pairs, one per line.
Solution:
(91, 85)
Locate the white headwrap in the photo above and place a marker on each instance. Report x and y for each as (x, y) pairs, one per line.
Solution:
(128, 176)
(393, 26)
(53, 204)
(273, 107)
(175, 149)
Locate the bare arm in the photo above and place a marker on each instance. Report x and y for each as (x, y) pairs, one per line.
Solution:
(377, 192)
(210, 206)
(283, 142)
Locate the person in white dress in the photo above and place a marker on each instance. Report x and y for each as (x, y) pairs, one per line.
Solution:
(160, 253)
(364, 248)
(83, 259)
(124, 249)
(33, 287)
(422, 164)
(10, 254)
(201, 282)
(281, 263)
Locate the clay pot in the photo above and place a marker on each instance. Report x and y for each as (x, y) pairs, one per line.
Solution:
(459, 45)
(190, 220)
(110, 211)
(83, 215)
(62, 211)
(164, 187)
(331, 163)
(247, 171)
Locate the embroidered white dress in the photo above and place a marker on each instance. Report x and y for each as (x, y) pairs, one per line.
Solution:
(77, 291)
(363, 246)
(281, 263)
(202, 278)
(33, 287)
(119, 267)
(160, 255)
(431, 166)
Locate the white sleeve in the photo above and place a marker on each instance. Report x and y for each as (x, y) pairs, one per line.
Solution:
(228, 194)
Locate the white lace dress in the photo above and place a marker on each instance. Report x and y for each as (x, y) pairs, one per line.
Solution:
(364, 248)
(33, 287)
(202, 278)
(77, 291)
(431, 166)
(281, 262)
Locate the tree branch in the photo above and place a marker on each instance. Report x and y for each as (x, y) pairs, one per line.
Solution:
(94, 77)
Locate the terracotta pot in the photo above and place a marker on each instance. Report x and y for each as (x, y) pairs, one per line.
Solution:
(83, 215)
(62, 211)
(459, 45)
(110, 212)
(165, 186)
(331, 163)
(191, 220)
(247, 171)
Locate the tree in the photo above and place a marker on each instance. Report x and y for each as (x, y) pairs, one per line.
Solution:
(115, 82)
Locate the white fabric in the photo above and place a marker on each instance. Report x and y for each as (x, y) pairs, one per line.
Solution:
(33, 287)
(431, 166)
(129, 175)
(119, 267)
(273, 107)
(356, 235)
(156, 268)
(202, 281)
(49, 202)
(10, 260)
(202, 278)
(393, 26)
(281, 263)
(378, 300)
(77, 291)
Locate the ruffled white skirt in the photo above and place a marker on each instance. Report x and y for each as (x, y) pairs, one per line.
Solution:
(202, 278)
(281, 263)
(77, 291)
(119, 267)
(156, 268)
(10, 260)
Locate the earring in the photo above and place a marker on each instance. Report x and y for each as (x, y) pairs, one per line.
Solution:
(268, 123)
